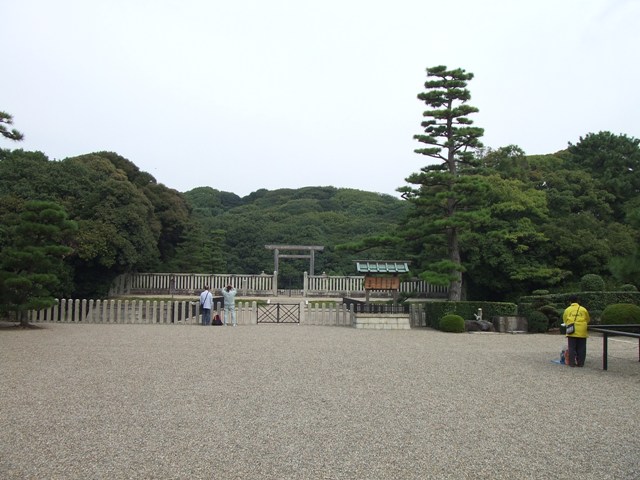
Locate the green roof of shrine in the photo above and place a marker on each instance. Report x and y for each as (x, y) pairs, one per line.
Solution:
(382, 267)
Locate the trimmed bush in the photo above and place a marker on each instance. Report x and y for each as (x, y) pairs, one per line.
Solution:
(554, 316)
(620, 314)
(452, 323)
(627, 287)
(537, 322)
(592, 283)
(540, 292)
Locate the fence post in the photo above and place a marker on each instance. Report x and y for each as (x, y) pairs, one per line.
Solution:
(275, 283)
(154, 311)
(63, 310)
(176, 305)
(136, 311)
(93, 306)
(83, 311)
(96, 313)
(162, 313)
(301, 312)
(110, 311)
(147, 311)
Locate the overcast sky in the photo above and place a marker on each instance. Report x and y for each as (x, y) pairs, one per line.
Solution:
(247, 94)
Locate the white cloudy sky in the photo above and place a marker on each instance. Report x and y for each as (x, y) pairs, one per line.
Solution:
(248, 94)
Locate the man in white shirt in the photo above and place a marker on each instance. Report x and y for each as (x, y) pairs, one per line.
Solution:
(229, 294)
(206, 303)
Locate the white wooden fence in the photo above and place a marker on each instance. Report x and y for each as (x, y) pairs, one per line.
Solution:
(191, 283)
(350, 286)
(188, 313)
(260, 285)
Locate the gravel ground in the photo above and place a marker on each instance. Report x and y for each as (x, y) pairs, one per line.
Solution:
(303, 402)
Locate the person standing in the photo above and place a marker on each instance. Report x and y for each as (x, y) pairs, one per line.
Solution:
(206, 303)
(576, 318)
(229, 294)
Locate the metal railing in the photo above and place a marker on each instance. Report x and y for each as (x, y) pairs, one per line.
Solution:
(626, 330)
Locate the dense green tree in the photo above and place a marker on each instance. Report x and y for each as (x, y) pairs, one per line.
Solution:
(442, 191)
(200, 252)
(28, 175)
(34, 243)
(581, 227)
(126, 221)
(626, 268)
(170, 207)
(170, 212)
(509, 162)
(117, 220)
(210, 202)
(500, 252)
(614, 162)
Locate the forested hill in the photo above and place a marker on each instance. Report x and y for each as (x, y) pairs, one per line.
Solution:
(526, 222)
(235, 230)
(126, 221)
(286, 201)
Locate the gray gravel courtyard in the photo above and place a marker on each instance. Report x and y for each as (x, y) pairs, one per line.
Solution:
(305, 402)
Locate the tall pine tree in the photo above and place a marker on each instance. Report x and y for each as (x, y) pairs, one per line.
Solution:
(442, 190)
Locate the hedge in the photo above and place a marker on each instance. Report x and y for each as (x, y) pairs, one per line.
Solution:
(434, 311)
(595, 302)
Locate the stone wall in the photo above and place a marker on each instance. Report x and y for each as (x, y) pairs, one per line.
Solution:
(510, 324)
(382, 321)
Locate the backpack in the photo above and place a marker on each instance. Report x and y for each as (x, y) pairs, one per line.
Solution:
(216, 320)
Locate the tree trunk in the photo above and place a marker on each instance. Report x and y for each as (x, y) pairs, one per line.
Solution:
(23, 317)
(455, 285)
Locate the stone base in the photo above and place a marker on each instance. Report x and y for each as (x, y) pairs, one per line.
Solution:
(510, 324)
(382, 321)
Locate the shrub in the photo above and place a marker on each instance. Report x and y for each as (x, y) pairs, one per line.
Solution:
(434, 311)
(540, 292)
(627, 287)
(593, 301)
(552, 314)
(537, 322)
(620, 314)
(592, 283)
(452, 323)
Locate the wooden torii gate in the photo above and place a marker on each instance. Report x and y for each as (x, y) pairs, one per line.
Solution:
(295, 248)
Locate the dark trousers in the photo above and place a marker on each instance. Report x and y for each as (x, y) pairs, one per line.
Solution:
(577, 350)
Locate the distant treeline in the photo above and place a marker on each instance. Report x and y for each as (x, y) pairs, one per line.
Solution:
(538, 221)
